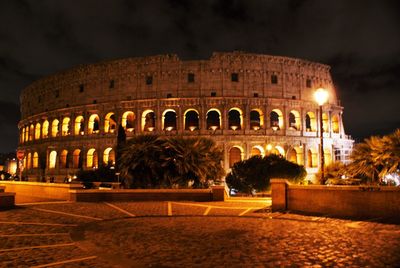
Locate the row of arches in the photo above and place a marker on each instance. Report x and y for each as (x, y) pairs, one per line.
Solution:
(293, 154)
(75, 159)
(91, 158)
(191, 121)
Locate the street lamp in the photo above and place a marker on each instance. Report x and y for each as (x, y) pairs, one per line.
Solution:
(321, 97)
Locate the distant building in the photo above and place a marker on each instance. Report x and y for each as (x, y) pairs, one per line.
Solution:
(250, 104)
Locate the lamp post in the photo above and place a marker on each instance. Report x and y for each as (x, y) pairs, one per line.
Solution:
(321, 97)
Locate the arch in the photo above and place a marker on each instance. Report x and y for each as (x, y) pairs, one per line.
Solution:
(22, 135)
(37, 131)
(109, 156)
(335, 123)
(52, 159)
(257, 150)
(29, 161)
(54, 128)
(292, 155)
(26, 133)
(311, 122)
(31, 132)
(76, 159)
(325, 122)
(278, 150)
(94, 124)
(191, 119)
(169, 120)
(148, 120)
(92, 158)
(327, 156)
(235, 119)
(110, 124)
(213, 119)
(65, 126)
(235, 155)
(79, 125)
(45, 129)
(276, 118)
(312, 158)
(35, 160)
(294, 120)
(63, 159)
(128, 121)
(256, 119)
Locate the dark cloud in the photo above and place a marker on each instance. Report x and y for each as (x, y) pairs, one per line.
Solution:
(360, 39)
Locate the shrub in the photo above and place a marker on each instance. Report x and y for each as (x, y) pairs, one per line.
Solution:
(254, 174)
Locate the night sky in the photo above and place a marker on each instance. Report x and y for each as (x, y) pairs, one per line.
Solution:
(359, 39)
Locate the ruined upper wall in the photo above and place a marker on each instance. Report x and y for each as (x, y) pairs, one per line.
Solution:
(128, 79)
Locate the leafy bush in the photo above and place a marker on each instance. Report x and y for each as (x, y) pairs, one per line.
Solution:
(103, 173)
(255, 173)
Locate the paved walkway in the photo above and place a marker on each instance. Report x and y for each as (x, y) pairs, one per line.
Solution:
(187, 234)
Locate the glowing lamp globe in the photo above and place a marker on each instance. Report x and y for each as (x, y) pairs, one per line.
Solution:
(321, 96)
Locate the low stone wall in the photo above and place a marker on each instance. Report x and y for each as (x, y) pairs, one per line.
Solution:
(214, 194)
(38, 191)
(33, 190)
(342, 201)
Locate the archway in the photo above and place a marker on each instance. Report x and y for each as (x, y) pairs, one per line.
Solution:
(93, 124)
(92, 158)
(191, 120)
(45, 129)
(235, 155)
(76, 159)
(79, 125)
(65, 126)
(169, 120)
(256, 119)
(276, 119)
(335, 123)
(294, 120)
(235, 119)
(213, 119)
(110, 124)
(63, 159)
(148, 120)
(109, 156)
(52, 159)
(128, 121)
(54, 128)
(37, 131)
(311, 122)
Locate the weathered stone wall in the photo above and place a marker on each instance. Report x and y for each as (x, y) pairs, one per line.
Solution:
(227, 81)
(343, 201)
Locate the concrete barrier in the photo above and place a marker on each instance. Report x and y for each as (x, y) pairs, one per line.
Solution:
(342, 201)
(141, 195)
(38, 190)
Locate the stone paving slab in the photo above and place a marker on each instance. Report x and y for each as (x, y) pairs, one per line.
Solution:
(177, 234)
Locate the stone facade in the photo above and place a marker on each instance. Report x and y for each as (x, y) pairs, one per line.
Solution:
(248, 103)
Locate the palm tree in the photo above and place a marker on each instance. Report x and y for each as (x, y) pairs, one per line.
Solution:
(192, 159)
(376, 157)
(140, 161)
(152, 161)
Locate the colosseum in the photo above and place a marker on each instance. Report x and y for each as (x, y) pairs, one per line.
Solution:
(250, 104)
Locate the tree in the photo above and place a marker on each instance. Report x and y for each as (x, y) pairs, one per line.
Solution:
(376, 157)
(154, 161)
(195, 160)
(140, 161)
(255, 173)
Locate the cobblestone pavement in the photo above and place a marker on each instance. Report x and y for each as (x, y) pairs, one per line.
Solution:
(188, 234)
